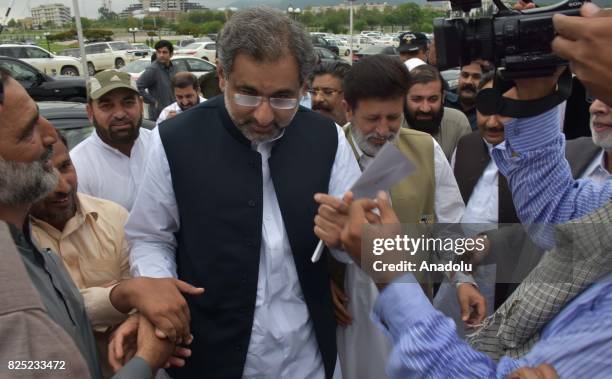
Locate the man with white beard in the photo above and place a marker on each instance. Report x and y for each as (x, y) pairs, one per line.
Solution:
(374, 96)
(591, 157)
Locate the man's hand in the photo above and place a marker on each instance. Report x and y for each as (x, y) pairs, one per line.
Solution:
(339, 298)
(171, 114)
(540, 372)
(123, 345)
(159, 300)
(535, 88)
(473, 304)
(361, 213)
(585, 42)
(522, 5)
(155, 351)
(331, 217)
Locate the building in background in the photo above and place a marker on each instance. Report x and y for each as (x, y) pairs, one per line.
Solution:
(168, 9)
(58, 14)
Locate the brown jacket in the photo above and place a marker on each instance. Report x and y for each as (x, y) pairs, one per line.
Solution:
(28, 334)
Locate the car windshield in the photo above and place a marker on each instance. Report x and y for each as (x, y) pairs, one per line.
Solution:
(194, 46)
(120, 45)
(136, 66)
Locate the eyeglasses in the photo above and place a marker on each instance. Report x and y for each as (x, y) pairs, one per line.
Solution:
(326, 92)
(590, 98)
(255, 101)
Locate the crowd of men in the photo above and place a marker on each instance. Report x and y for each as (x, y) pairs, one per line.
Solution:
(185, 251)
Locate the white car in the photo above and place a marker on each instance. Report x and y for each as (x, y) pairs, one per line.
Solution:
(105, 55)
(203, 50)
(343, 47)
(196, 66)
(42, 59)
(144, 47)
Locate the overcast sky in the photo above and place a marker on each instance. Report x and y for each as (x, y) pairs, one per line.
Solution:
(89, 8)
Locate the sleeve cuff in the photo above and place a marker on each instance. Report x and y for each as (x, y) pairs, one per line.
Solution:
(136, 368)
(400, 305)
(532, 133)
(102, 314)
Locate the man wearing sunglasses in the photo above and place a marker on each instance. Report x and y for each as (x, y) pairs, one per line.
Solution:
(230, 205)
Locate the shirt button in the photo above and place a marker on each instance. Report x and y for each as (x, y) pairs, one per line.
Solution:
(252, 203)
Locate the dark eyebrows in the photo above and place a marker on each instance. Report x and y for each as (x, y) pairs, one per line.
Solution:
(30, 125)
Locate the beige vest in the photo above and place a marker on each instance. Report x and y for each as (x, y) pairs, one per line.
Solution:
(413, 198)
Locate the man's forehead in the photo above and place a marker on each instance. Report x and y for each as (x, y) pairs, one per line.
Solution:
(472, 68)
(426, 89)
(326, 79)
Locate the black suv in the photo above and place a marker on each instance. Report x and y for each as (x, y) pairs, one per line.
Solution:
(42, 87)
(319, 41)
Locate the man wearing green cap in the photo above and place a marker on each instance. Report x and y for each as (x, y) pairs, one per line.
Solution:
(110, 162)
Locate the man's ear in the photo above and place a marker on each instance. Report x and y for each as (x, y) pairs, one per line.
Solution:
(222, 81)
(89, 109)
(347, 110)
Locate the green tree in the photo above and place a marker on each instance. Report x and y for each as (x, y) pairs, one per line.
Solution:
(12, 23)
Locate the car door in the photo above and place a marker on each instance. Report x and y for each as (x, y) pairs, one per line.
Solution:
(180, 64)
(30, 79)
(199, 67)
(41, 59)
(210, 50)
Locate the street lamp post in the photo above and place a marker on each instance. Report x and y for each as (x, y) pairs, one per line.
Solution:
(293, 12)
(133, 31)
(47, 34)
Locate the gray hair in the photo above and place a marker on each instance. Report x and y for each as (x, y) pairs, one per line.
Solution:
(264, 34)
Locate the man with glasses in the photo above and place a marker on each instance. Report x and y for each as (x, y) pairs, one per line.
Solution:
(326, 90)
(230, 205)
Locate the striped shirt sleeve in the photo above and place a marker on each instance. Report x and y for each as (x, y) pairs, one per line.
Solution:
(543, 190)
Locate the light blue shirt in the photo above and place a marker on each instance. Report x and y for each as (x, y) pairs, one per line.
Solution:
(577, 342)
(532, 158)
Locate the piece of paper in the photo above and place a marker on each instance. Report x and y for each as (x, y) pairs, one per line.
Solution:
(388, 168)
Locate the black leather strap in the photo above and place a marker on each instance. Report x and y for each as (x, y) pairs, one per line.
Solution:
(491, 101)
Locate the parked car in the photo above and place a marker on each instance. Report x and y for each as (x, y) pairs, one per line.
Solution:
(343, 47)
(188, 41)
(42, 59)
(71, 120)
(324, 55)
(196, 66)
(320, 41)
(373, 50)
(144, 47)
(42, 87)
(360, 42)
(202, 50)
(114, 54)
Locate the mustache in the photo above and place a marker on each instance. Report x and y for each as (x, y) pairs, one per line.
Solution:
(320, 106)
(377, 135)
(468, 87)
(117, 121)
(495, 129)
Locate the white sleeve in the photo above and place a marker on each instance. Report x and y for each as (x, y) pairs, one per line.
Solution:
(163, 115)
(448, 202)
(154, 218)
(345, 173)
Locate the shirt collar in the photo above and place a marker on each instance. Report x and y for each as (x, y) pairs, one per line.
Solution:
(83, 211)
(597, 165)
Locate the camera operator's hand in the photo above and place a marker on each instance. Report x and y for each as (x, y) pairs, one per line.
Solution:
(534, 88)
(522, 5)
(586, 42)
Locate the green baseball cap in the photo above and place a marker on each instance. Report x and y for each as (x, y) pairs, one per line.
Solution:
(108, 80)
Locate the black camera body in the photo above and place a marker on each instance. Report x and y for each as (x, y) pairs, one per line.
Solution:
(518, 43)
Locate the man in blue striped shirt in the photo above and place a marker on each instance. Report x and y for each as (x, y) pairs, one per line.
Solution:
(576, 342)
